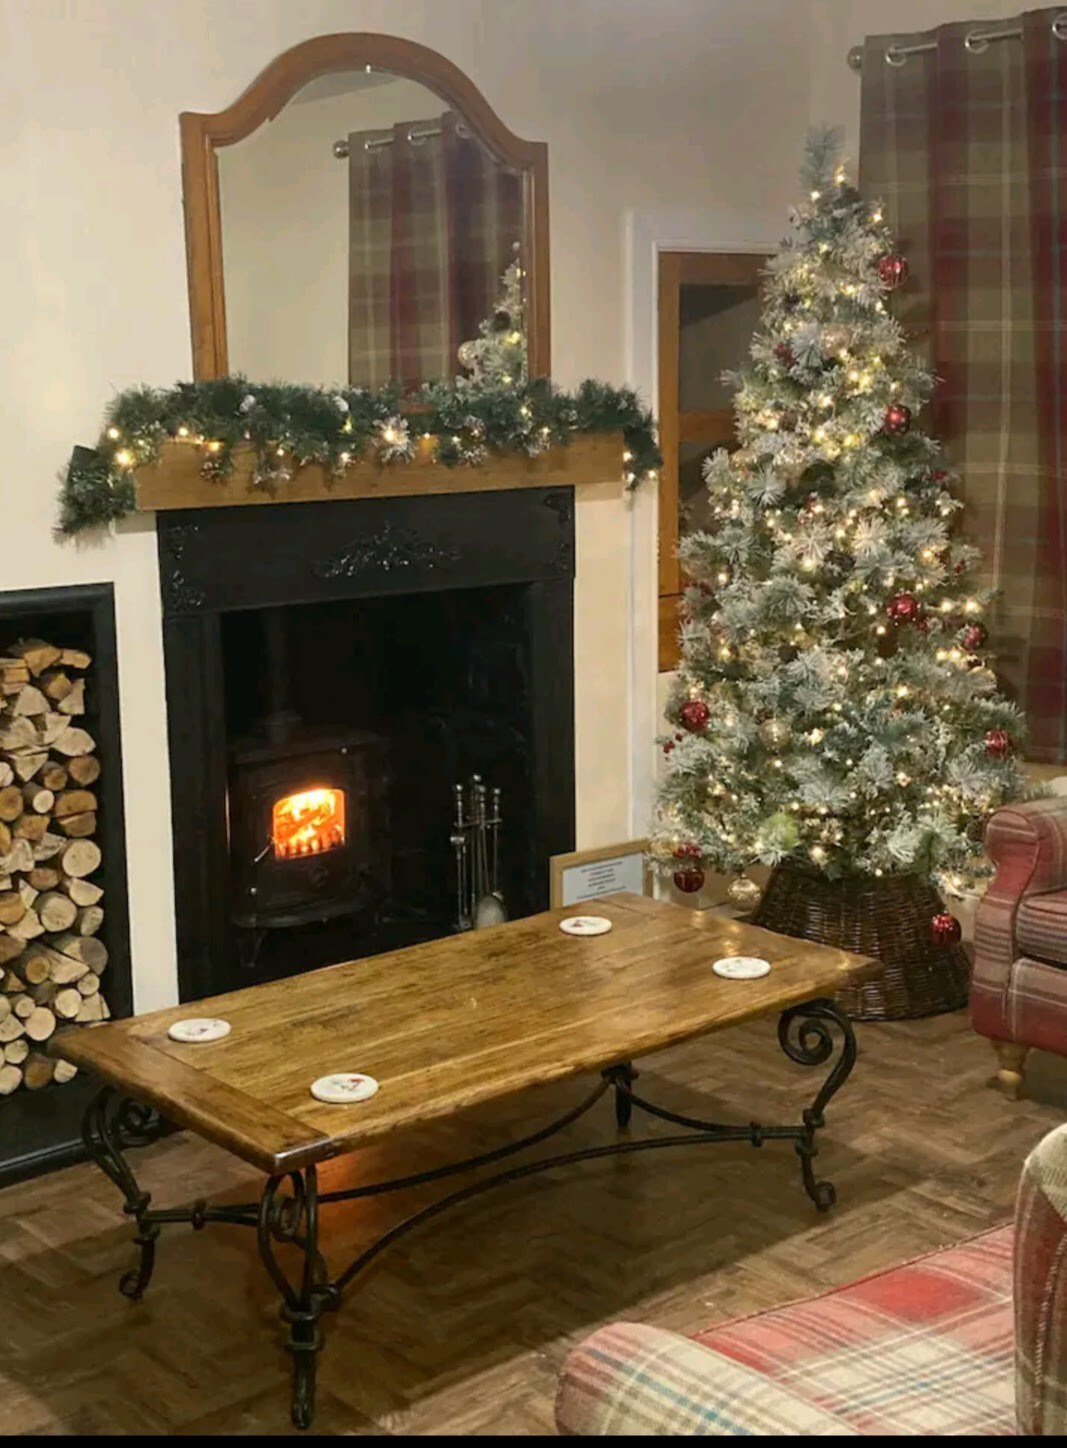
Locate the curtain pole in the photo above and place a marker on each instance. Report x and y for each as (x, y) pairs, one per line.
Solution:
(976, 41)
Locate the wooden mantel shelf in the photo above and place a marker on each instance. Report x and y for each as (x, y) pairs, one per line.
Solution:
(175, 481)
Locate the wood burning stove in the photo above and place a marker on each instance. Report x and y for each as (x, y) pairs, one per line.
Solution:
(308, 828)
(309, 822)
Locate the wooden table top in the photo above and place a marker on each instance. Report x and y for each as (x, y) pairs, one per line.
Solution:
(447, 1024)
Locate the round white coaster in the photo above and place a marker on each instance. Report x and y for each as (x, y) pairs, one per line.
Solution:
(585, 925)
(742, 967)
(345, 1088)
(199, 1030)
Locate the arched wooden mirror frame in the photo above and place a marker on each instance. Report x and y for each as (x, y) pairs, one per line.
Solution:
(202, 134)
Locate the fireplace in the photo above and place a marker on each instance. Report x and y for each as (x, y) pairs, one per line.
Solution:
(333, 671)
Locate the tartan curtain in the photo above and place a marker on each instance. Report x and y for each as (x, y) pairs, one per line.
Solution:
(433, 224)
(968, 150)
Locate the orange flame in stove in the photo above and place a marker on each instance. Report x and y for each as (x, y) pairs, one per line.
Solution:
(308, 823)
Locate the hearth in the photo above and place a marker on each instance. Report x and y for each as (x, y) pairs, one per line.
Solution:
(332, 670)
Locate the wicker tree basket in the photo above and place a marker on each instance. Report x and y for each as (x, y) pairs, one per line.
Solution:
(888, 919)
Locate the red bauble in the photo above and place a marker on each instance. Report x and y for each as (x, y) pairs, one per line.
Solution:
(945, 929)
(694, 715)
(897, 418)
(689, 881)
(893, 269)
(998, 743)
(784, 354)
(903, 608)
(690, 851)
(939, 476)
(973, 637)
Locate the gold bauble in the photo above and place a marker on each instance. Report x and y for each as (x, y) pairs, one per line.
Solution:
(775, 733)
(744, 894)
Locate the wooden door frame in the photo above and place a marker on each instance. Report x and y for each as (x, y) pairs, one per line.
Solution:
(677, 269)
(715, 229)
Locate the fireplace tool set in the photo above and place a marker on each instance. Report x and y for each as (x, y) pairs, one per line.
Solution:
(476, 843)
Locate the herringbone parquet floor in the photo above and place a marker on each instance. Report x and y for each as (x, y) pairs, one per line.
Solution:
(461, 1328)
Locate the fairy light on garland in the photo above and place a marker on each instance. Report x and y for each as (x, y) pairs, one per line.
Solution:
(287, 427)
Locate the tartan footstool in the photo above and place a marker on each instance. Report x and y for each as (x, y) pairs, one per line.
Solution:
(968, 1340)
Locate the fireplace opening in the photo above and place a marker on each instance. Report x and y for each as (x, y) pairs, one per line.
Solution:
(349, 723)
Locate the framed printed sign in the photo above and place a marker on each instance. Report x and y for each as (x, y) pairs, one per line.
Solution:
(588, 874)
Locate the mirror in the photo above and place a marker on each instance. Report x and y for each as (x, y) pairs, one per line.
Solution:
(357, 216)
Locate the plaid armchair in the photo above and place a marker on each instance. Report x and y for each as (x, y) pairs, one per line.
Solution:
(947, 1344)
(1019, 983)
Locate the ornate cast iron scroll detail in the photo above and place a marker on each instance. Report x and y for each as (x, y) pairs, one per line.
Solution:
(287, 1216)
(561, 502)
(111, 1125)
(388, 550)
(805, 1036)
(179, 594)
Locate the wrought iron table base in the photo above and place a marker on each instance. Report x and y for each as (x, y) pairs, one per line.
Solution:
(287, 1214)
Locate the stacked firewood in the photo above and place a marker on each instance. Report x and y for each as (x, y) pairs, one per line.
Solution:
(51, 958)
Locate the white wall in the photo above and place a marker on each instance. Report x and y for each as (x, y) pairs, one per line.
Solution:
(644, 103)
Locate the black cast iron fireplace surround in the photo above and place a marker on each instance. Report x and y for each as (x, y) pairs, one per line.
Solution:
(214, 562)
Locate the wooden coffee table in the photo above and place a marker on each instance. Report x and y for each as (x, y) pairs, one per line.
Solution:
(442, 1026)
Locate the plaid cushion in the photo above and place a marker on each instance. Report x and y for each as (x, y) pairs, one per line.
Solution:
(642, 1382)
(1028, 845)
(924, 1348)
(1041, 1288)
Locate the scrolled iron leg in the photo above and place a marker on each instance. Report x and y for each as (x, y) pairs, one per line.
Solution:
(289, 1214)
(806, 1037)
(621, 1077)
(111, 1124)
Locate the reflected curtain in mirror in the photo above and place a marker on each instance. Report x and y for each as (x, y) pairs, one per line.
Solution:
(434, 220)
(964, 145)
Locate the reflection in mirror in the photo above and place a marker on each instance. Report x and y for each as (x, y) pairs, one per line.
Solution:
(366, 232)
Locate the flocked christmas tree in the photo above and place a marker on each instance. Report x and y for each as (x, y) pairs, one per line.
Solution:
(835, 703)
(498, 354)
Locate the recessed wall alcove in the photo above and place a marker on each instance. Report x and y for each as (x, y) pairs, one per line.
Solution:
(40, 1125)
(359, 658)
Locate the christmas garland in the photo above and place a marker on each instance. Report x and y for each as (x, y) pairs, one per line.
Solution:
(288, 426)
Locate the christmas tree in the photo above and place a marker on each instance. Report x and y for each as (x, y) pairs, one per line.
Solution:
(835, 703)
(498, 354)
